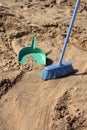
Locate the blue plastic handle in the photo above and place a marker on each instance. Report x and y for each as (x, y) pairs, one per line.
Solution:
(69, 31)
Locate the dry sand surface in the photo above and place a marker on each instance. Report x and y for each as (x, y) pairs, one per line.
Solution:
(26, 101)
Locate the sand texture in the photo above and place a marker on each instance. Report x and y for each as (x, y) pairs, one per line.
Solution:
(26, 101)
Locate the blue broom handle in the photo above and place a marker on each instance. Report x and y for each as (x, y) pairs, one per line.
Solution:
(69, 31)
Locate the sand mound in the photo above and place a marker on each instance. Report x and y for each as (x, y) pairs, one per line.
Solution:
(67, 115)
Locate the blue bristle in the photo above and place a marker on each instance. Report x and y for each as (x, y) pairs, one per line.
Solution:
(57, 71)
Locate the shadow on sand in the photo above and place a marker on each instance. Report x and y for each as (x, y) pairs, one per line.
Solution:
(77, 74)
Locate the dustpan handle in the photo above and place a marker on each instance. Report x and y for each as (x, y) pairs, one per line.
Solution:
(33, 43)
(69, 31)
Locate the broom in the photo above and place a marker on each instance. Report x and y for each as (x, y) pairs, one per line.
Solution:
(61, 69)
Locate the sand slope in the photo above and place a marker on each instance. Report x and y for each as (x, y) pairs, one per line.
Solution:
(30, 104)
(27, 102)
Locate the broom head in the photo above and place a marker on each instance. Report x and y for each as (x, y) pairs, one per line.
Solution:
(57, 71)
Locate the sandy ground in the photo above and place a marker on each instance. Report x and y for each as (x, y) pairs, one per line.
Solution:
(26, 101)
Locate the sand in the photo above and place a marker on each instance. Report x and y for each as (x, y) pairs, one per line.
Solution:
(26, 101)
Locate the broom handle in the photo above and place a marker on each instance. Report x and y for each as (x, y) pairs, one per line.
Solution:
(69, 31)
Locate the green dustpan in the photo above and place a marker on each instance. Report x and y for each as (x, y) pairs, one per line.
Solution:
(38, 55)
